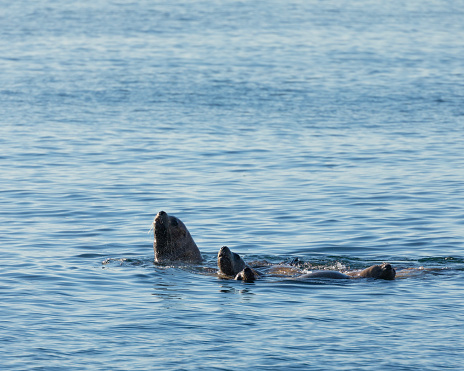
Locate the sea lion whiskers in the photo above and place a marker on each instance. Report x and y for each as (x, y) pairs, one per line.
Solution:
(152, 226)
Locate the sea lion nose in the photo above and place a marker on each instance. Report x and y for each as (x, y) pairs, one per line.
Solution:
(223, 250)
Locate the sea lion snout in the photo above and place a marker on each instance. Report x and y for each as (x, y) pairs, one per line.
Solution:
(161, 217)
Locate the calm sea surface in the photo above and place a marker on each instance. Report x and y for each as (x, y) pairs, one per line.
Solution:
(331, 131)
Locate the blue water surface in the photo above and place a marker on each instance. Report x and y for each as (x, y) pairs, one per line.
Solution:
(331, 131)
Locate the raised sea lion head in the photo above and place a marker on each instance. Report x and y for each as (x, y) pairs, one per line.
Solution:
(229, 263)
(173, 241)
(383, 271)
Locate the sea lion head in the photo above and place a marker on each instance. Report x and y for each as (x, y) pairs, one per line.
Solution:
(246, 275)
(229, 263)
(382, 271)
(386, 272)
(173, 241)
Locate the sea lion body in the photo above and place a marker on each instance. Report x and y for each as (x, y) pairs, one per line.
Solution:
(173, 241)
(324, 274)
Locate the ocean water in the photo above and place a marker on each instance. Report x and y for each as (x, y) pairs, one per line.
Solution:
(331, 131)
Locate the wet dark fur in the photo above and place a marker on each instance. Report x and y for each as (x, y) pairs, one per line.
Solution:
(173, 241)
(229, 263)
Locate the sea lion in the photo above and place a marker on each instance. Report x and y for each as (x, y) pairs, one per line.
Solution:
(383, 271)
(173, 241)
(231, 264)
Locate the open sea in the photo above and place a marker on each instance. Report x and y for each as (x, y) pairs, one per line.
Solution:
(329, 131)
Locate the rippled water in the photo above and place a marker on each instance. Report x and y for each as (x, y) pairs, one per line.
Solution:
(329, 131)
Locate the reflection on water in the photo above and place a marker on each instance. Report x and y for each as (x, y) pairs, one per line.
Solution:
(243, 289)
(166, 291)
